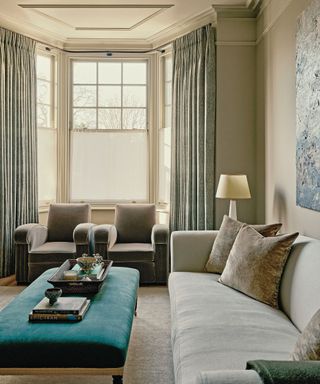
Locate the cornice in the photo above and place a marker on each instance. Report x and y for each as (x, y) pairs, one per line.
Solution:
(31, 31)
(105, 44)
(183, 27)
(248, 10)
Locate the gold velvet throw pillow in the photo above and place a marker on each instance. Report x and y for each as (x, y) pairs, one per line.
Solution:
(256, 263)
(224, 241)
(308, 343)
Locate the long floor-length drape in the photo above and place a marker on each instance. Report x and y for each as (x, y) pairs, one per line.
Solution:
(18, 141)
(193, 131)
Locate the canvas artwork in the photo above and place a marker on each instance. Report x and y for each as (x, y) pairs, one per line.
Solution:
(308, 108)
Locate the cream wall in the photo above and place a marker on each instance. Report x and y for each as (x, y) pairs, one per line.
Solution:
(236, 95)
(277, 115)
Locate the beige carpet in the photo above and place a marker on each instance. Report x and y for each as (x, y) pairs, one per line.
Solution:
(149, 359)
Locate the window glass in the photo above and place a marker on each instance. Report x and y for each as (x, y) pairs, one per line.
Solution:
(46, 125)
(109, 141)
(164, 160)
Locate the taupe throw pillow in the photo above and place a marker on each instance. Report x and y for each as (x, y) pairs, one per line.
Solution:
(308, 343)
(256, 263)
(225, 239)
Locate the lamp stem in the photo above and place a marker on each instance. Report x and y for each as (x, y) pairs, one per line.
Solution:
(233, 209)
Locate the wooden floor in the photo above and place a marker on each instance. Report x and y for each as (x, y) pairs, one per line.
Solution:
(8, 281)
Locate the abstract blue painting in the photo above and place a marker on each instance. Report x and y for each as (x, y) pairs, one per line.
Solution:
(308, 108)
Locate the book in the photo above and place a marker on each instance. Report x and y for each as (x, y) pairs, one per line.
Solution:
(64, 305)
(56, 317)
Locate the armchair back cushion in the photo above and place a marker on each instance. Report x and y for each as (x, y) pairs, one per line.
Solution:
(134, 222)
(63, 218)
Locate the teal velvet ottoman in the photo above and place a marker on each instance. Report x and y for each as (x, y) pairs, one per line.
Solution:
(96, 345)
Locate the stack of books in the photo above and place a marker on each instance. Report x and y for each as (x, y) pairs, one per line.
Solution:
(65, 309)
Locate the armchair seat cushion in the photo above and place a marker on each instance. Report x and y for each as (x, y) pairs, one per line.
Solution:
(54, 251)
(131, 252)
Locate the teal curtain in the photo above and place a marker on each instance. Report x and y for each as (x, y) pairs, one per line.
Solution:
(18, 141)
(193, 131)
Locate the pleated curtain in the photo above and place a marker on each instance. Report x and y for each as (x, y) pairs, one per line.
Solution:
(193, 131)
(18, 141)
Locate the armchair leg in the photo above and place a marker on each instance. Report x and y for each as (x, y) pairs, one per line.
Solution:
(117, 379)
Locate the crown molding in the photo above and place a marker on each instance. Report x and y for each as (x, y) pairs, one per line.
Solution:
(248, 10)
(29, 30)
(106, 44)
(181, 28)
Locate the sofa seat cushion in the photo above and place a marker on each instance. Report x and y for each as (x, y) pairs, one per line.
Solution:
(131, 252)
(217, 328)
(52, 252)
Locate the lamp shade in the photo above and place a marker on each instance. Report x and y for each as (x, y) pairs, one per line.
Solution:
(233, 187)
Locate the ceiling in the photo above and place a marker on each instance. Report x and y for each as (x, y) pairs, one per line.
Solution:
(142, 23)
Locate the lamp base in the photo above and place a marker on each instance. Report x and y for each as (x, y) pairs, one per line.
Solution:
(233, 209)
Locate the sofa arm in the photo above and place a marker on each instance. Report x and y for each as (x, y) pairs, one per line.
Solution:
(229, 377)
(190, 250)
(83, 238)
(26, 238)
(160, 234)
(105, 236)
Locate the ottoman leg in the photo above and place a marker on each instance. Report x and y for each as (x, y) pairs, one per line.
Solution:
(117, 379)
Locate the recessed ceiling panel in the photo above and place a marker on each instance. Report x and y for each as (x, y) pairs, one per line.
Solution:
(93, 17)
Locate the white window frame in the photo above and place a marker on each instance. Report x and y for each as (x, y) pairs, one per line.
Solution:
(150, 84)
(162, 205)
(41, 51)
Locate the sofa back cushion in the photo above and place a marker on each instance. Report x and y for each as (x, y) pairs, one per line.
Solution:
(300, 283)
(134, 222)
(63, 218)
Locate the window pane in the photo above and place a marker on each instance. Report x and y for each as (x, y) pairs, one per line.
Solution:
(167, 116)
(134, 96)
(109, 96)
(134, 73)
(84, 118)
(164, 164)
(47, 164)
(84, 96)
(43, 116)
(109, 118)
(43, 92)
(43, 67)
(110, 73)
(114, 166)
(167, 93)
(84, 73)
(168, 68)
(134, 118)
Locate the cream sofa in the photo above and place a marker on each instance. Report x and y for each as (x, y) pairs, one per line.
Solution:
(216, 330)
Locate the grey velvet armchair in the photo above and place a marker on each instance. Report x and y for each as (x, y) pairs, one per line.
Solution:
(135, 241)
(68, 234)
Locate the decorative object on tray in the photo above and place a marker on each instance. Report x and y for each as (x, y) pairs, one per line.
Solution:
(53, 295)
(88, 263)
(87, 282)
(65, 309)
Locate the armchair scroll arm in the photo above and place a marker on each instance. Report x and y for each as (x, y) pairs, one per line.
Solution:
(33, 235)
(105, 236)
(83, 238)
(160, 240)
(160, 234)
(26, 238)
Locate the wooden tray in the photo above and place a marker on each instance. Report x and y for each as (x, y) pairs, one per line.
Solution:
(78, 286)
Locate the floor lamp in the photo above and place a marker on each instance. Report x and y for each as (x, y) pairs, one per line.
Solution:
(233, 187)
